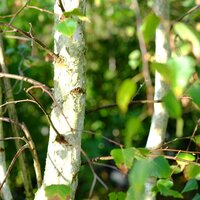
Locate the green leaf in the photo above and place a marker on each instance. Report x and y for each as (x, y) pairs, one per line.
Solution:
(149, 26)
(188, 33)
(160, 168)
(194, 93)
(125, 93)
(192, 171)
(58, 192)
(74, 12)
(164, 188)
(127, 155)
(190, 185)
(131, 133)
(67, 27)
(184, 156)
(172, 105)
(196, 197)
(112, 196)
(162, 69)
(123, 157)
(181, 69)
(117, 196)
(137, 178)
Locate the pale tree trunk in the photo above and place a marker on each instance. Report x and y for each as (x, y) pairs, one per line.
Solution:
(162, 53)
(63, 155)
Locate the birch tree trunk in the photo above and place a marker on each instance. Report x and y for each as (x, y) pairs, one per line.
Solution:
(162, 53)
(63, 155)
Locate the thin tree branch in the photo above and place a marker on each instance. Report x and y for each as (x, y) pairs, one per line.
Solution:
(56, 57)
(60, 4)
(13, 162)
(32, 148)
(96, 177)
(41, 10)
(110, 106)
(193, 134)
(17, 13)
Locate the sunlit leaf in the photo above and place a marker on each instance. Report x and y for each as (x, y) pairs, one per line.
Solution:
(181, 69)
(190, 185)
(188, 33)
(164, 187)
(192, 171)
(123, 157)
(186, 157)
(172, 105)
(194, 93)
(67, 27)
(74, 12)
(58, 192)
(176, 169)
(125, 93)
(179, 127)
(127, 155)
(162, 69)
(149, 26)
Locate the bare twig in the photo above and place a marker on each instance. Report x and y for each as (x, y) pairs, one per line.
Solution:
(193, 134)
(60, 4)
(105, 138)
(56, 57)
(115, 105)
(22, 78)
(41, 9)
(17, 13)
(13, 162)
(17, 101)
(32, 148)
(193, 9)
(96, 177)
(44, 111)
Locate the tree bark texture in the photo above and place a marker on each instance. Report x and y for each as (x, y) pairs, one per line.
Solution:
(63, 154)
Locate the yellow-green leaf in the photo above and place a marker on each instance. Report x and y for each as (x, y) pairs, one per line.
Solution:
(125, 93)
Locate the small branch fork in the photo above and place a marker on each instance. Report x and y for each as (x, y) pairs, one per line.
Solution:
(29, 141)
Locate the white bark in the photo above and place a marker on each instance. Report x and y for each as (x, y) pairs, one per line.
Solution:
(162, 53)
(63, 158)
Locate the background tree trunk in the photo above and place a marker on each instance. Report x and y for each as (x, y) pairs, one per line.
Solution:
(63, 156)
(160, 116)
